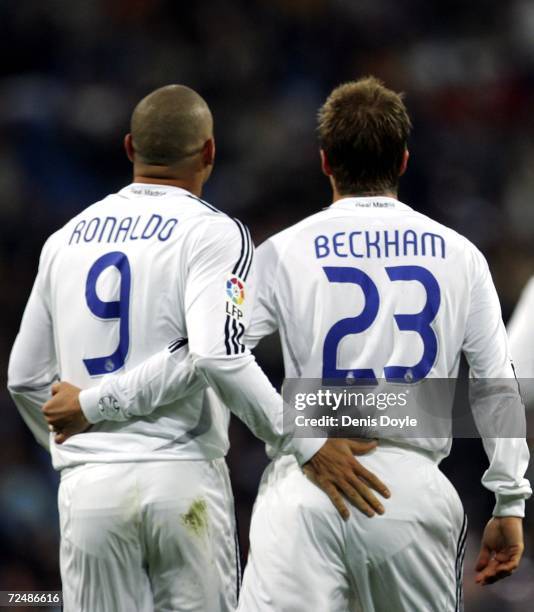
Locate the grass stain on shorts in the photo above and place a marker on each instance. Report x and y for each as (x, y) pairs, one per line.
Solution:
(195, 519)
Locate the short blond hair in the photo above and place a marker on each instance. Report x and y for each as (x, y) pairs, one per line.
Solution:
(363, 130)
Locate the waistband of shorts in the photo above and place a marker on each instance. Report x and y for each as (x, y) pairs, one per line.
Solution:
(67, 471)
(397, 447)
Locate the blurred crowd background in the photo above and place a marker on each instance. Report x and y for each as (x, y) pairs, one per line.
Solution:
(70, 75)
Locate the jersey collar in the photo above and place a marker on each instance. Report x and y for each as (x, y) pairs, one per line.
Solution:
(369, 203)
(150, 190)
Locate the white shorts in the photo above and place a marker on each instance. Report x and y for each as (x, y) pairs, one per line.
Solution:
(143, 537)
(305, 558)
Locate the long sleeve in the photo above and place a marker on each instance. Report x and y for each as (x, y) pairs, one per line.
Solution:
(496, 404)
(33, 365)
(521, 335)
(219, 300)
(218, 310)
(167, 376)
(264, 319)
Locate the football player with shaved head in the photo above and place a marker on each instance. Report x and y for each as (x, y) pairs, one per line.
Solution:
(145, 503)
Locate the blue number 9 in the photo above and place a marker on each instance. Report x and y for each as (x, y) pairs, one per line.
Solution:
(119, 309)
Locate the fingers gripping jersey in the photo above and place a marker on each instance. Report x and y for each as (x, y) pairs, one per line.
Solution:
(150, 266)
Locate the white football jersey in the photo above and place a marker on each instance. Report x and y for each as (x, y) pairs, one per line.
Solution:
(370, 289)
(147, 267)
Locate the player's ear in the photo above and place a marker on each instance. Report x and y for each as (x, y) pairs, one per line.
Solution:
(208, 152)
(128, 147)
(325, 166)
(404, 163)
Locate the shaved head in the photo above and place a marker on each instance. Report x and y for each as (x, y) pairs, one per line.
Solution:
(170, 125)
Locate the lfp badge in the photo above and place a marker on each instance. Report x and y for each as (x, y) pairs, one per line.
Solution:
(235, 290)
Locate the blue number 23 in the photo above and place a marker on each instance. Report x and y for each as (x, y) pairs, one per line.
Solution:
(419, 322)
